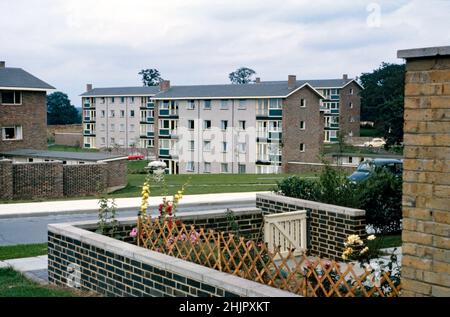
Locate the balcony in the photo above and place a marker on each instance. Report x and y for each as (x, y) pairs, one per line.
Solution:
(262, 134)
(273, 135)
(150, 120)
(88, 132)
(262, 112)
(87, 104)
(150, 105)
(275, 112)
(164, 132)
(164, 152)
(89, 119)
(334, 111)
(168, 112)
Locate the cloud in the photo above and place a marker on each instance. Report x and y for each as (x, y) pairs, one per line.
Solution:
(69, 43)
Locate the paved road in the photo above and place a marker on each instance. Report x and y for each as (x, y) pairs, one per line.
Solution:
(34, 229)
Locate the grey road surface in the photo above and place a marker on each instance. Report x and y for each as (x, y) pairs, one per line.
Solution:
(34, 229)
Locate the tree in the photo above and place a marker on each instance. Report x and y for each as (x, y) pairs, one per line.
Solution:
(150, 77)
(382, 100)
(60, 110)
(242, 75)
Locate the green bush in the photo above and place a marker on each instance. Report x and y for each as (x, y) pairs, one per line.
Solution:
(302, 188)
(380, 195)
(381, 198)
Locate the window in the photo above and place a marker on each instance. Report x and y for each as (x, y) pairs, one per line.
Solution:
(132, 99)
(242, 147)
(302, 147)
(191, 104)
(132, 113)
(224, 147)
(302, 103)
(191, 145)
(112, 99)
(224, 104)
(207, 105)
(112, 113)
(242, 104)
(190, 167)
(113, 141)
(122, 113)
(206, 146)
(112, 127)
(350, 159)
(12, 133)
(207, 167)
(102, 114)
(206, 124)
(102, 100)
(224, 167)
(351, 91)
(103, 140)
(242, 125)
(275, 104)
(122, 127)
(352, 119)
(350, 104)
(241, 168)
(224, 124)
(122, 99)
(11, 97)
(334, 91)
(191, 125)
(302, 125)
(102, 127)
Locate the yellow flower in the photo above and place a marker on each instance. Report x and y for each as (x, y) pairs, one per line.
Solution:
(176, 197)
(371, 237)
(364, 250)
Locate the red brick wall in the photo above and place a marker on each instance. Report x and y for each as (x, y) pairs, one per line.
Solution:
(313, 134)
(84, 180)
(6, 179)
(117, 173)
(38, 180)
(346, 112)
(32, 116)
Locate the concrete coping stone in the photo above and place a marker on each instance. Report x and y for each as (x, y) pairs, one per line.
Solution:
(229, 282)
(424, 52)
(301, 203)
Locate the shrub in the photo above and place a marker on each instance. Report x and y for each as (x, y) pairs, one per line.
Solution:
(302, 188)
(381, 198)
(380, 195)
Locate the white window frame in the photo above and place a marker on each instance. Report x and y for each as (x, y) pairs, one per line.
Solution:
(190, 166)
(207, 167)
(207, 146)
(226, 170)
(14, 101)
(18, 133)
(302, 147)
(302, 103)
(302, 125)
(191, 105)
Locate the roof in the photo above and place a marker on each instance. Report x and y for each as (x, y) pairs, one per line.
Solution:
(424, 52)
(58, 155)
(18, 78)
(231, 91)
(263, 89)
(122, 91)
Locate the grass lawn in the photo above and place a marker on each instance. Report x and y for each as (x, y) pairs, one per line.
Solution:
(370, 132)
(200, 183)
(66, 148)
(14, 284)
(22, 251)
(387, 241)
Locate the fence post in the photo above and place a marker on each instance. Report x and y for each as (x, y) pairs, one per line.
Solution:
(219, 251)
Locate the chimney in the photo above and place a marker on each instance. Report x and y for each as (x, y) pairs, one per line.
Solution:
(345, 77)
(292, 81)
(2, 64)
(257, 80)
(164, 85)
(88, 87)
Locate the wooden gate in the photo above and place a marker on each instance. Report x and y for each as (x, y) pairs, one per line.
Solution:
(286, 230)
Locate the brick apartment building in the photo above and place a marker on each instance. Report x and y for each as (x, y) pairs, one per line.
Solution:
(251, 128)
(23, 109)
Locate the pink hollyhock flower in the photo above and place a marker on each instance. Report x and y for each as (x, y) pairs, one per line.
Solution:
(134, 233)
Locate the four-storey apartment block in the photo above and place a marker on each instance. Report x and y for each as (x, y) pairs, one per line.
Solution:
(251, 128)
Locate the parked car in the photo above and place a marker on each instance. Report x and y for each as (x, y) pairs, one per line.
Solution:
(367, 167)
(135, 156)
(375, 142)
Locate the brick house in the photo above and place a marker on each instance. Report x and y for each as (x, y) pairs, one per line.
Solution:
(23, 109)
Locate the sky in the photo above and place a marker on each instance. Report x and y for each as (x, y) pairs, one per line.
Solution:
(69, 43)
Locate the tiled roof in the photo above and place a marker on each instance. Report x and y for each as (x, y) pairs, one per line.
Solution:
(18, 78)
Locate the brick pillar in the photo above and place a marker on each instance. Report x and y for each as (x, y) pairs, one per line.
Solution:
(426, 177)
(6, 180)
